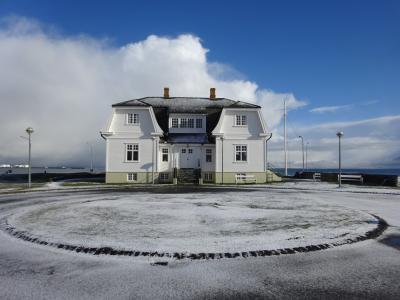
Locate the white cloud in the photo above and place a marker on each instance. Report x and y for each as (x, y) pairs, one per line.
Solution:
(329, 109)
(366, 122)
(64, 86)
(373, 143)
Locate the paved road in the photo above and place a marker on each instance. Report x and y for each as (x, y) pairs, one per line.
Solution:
(365, 270)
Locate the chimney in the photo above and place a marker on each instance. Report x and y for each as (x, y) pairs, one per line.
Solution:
(212, 94)
(166, 92)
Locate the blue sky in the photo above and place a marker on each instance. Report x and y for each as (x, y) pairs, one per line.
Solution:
(326, 52)
(344, 55)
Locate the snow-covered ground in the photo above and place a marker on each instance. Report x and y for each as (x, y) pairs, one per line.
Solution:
(364, 270)
(226, 221)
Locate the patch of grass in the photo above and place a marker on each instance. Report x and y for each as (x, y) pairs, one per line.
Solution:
(20, 186)
(80, 183)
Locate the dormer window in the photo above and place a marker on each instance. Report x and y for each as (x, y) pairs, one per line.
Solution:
(174, 123)
(199, 123)
(184, 123)
(132, 118)
(240, 120)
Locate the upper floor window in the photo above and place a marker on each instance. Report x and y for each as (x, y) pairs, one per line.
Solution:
(240, 120)
(132, 119)
(199, 123)
(208, 155)
(190, 123)
(240, 152)
(132, 152)
(174, 122)
(164, 154)
(184, 123)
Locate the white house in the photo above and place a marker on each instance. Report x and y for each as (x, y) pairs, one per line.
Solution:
(186, 139)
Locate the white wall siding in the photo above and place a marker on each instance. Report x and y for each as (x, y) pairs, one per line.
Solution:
(143, 129)
(117, 155)
(253, 127)
(255, 156)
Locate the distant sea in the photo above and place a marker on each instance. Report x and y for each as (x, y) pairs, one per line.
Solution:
(48, 170)
(292, 171)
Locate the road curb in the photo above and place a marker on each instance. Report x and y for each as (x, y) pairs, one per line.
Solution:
(26, 236)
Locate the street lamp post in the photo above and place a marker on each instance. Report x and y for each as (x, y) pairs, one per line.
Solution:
(222, 160)
(307, 144)
(29, 131)
(339, 135)
(302, 149)
(91, 157)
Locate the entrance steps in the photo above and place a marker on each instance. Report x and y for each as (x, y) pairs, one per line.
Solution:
(188, 176)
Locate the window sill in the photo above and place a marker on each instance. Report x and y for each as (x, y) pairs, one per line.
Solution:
(240, 162)
(131, 161)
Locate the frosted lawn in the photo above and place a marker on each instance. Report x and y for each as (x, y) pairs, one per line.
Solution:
(198, 222)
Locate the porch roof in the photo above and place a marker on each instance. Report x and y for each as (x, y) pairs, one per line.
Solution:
(183, 138)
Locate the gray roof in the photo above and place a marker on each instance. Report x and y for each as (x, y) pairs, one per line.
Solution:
(188, 138)
(164, 106)
(186, 104)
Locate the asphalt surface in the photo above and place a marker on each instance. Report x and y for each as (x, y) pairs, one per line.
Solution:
(364, 270)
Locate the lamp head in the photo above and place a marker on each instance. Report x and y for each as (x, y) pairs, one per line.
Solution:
(339, 134)
(29, 130)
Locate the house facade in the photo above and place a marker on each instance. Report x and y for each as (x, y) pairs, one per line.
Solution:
(186, 139)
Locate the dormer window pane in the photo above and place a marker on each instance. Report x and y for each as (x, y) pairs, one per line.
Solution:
(184, 123)
(190, 123)
(199, 123)
(174, 123)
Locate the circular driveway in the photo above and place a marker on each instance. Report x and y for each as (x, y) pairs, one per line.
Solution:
(368, 269)
(220, 221)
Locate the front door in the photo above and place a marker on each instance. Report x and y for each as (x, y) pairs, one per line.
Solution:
(187, 158)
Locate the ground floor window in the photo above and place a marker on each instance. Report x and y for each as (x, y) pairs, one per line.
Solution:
(164, 176)
(241, 153)
(208, 155)
(208, 176)
(132, 176)
(132, 152)
(164, 154)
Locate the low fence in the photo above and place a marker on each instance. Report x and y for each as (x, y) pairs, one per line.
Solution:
(368, 179)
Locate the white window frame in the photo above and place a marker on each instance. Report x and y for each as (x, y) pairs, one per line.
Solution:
(173, 120)
(131, 177)
(164, 151)
(209, 152)
(208, 177)
(132, 119)
(134, 145)
(241, 151)
(240, 120)
(164, 176)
